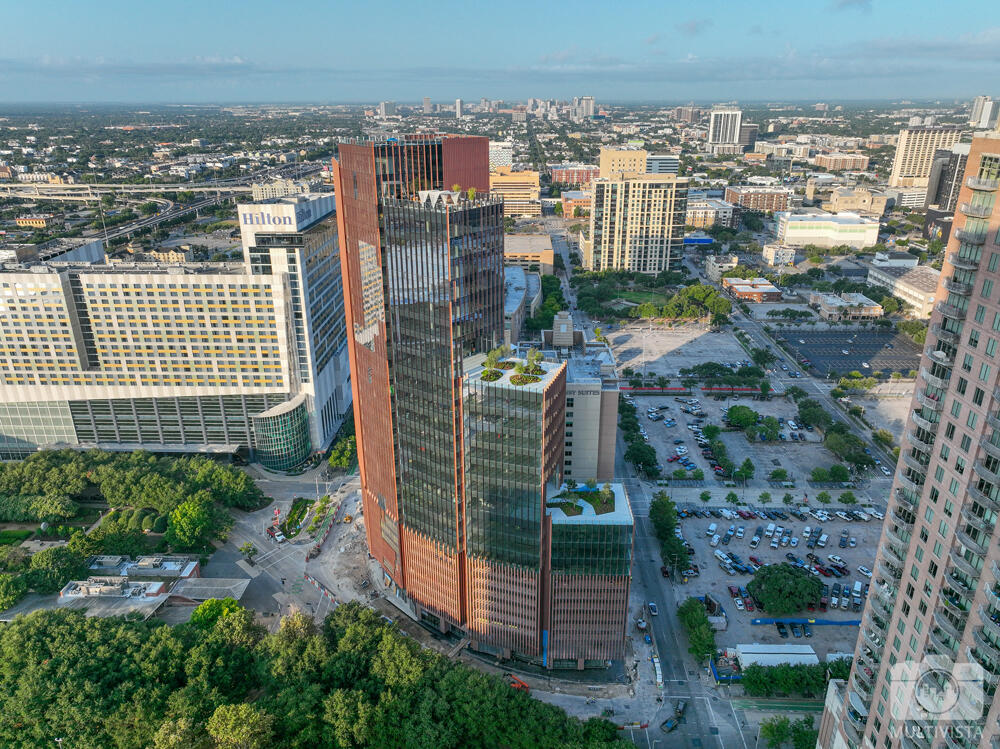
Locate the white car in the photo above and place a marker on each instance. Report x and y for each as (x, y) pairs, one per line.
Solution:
(876, 514)
(865, 571)
(866, 365)
(740, 532)
(843, 515)
(885, 471)
(681, 450)
(738, 603)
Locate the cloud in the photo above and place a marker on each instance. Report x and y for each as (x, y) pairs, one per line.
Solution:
(652, 38)
(694, 26)
(756, 29)
(865, 5)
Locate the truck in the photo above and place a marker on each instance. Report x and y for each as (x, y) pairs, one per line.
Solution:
(674, 720)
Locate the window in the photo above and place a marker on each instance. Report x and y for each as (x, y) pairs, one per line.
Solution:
(980, 313)
(918, 553)
(972, 419)
(966, 443)
(962, 386)
(932, 569)
(953, 486)
(994, 258)
(943, 529)
(967, 363)
(909, 591)
(922, 607)
(929, 517)
(974, 339)
(984, 372)
(991, 346)
(987, 288)
(978, 395)
(918, 625)
(945, 452)
(896, 642)
(949, 431)
(938, 473)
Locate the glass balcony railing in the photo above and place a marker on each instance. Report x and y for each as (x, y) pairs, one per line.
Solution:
(982, 184)
(965, 263)
(976, 211)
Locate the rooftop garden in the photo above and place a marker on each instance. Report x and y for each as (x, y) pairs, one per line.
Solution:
(526, 372)
(602, 500)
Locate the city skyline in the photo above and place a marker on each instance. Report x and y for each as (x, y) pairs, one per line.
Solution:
(883, 50)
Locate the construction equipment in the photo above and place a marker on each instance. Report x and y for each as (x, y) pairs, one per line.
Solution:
(516, 683)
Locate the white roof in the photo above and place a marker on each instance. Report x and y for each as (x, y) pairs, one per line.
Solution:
(774, 655)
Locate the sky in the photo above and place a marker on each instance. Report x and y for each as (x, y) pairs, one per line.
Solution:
(340, 51)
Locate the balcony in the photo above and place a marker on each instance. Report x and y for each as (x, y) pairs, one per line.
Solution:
(962, 289)
(920, 421)
(975, 521)
(991, 595)
(970, 237)
(981, 498)
(965, 263)
(974, 656)
(961, 588)
(976, 211)
(880, 607)
(937, 640)
(988, 624)
(888, 569)
(950, 310)
(853, 735)
(982, 184)
(897, 539)
(986, 647)
(908, 483)
(913, 463)
(927, 401)
(892, 555)
(871, 639)
(919, 443)
(970, 543)
(900, 517)
(992, 418)
(933, 379)
(907, 501)
(962, 564)
(913, 740)
(990, 448)
(940, 356)
(947, 625)
(995, 569)
(861, 682)
(954, 604)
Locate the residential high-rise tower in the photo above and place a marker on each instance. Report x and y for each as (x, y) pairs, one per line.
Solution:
(935, 592)
(915, 150)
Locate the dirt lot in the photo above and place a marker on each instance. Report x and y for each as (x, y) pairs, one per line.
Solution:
(715, 581)
(665, 351)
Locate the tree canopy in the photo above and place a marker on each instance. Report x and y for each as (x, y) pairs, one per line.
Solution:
(784, 589)
(353, 681)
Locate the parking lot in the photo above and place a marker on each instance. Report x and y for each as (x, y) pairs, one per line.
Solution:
(882, 350)
(665, 351)
(714, 580)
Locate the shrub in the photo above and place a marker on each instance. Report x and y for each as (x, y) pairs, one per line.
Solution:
(160, 524)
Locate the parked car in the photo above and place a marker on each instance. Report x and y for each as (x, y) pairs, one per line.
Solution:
(782, 630)
(652, 609)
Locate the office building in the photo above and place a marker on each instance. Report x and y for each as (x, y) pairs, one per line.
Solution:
(637, 224)
(519, 191)
(895, 260)
(522, 295)
(705, 212)
(917, 286)
(461, 467)
(934, 593)
(747, 137)
(279, 188)
(778, 254)
(501, 154)
(976, 111)
(724, 126)
(386, 108)
(617, 162)
(915, 150)
(822, 229)
(458, 108)
(839, 162)
(242, 357)
(573, 174)
(662, 163)
(856, 200)
(751, 289)
(428, 107)
(760, 199)
(716, 265)
(587, 106)
(945, 179)
(532, 251)
(986, 117)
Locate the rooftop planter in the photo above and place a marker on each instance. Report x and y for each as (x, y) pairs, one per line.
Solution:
(602, 500)
(570, 509)
(491, 375)
(524, 379)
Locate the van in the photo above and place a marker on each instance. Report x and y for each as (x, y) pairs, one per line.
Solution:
(715, 540)
(721, 556)
(858, 588)
(822, 540)
(712, 529)
(792, 425)
(770, 530)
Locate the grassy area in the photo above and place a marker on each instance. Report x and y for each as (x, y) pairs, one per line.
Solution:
(296, 515)
(569, 508)
(641, 297)
(11, 537)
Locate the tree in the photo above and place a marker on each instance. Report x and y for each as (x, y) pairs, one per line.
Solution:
(51, 569)
(711, 431)
(249, 551)
(776, 731)
(811, 412)
(820, 475)
(762, 357)
(788, 498)
(746, 471)
(883, 437)
(765, 389)
(191, 524)
(701, 637)
(12, 587)
(784, 589)
(795, 393)
(804, 736)
(705, 496)
(241, 726)
(210, 611)
(778, 474)
(732, 498)
(765, 497)
(848, 498)
(823, 498)
(558, 210)
(839, 473)
(643, 457)
(741, 416)
(148, 208)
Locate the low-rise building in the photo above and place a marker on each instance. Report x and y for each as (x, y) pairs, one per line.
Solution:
(574, 174)
(856, 200)
(837, 162)
(847, 306)
(522, 294)
(760, 199)
(826, 229)
(894, 260)
(519, 191)
(527, 250)
(36, 221)
(707, 212)
(716, 265)
(916, 286)
(752, 289)
(778, 254)
(575, 200)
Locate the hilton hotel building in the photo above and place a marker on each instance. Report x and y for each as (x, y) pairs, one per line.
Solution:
(241, 357)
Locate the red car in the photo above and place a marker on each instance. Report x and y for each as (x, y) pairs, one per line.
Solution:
(756, 561)
(748, 602)
(733, 591)
(811, 606)
(718, 469)
(673, 458)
